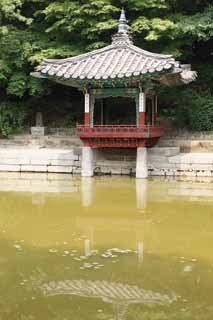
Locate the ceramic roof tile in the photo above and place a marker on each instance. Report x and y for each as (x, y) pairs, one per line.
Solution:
(110, 62)
(118, 60)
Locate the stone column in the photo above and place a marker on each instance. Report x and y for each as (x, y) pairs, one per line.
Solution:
(87, 247)
(87, 162)
(86, 191)
(87, 110)
(140, 251)
(141, 163)
(142, 108)
(141, 194)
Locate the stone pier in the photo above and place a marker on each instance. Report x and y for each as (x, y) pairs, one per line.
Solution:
(141, 163)
(87, 162)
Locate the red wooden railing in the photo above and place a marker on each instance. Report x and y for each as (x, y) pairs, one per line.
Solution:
(120, 131)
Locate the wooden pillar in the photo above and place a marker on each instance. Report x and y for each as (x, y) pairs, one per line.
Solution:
(92, 107)
(155, 108)
(102, 112)
(87, 110)
(142, 108)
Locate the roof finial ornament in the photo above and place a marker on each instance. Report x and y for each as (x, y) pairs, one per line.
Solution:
(123, 26)
(122, 37)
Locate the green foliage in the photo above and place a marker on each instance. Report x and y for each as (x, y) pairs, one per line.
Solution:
(156, 28)
(193, 109)
(12, 118)
(201, 116)
(196, 27)
(72, 119)
(17, 84)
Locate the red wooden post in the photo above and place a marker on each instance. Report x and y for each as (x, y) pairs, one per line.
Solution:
(155, 109)
(87, 110)
(142, 108)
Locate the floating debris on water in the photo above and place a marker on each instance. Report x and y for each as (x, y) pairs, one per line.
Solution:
(83, 257)
(94, 252)
(53, 250)
(92, 265)
(187, 269)
(18, 247)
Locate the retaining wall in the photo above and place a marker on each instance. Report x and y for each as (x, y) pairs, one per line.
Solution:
(161, 161)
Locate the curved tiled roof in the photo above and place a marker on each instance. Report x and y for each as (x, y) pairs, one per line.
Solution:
(114, 61)
(120, 60)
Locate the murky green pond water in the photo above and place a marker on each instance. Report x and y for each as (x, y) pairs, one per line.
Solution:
(105, 248)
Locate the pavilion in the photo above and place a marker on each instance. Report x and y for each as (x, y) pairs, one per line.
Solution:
(120, 84)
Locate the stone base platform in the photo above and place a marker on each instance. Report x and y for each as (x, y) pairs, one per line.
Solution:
(161, 161)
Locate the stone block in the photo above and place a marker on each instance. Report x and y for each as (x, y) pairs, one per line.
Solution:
(194, 166)
(61, 162)
(39, 162)
(33, 168)
(14, 161)
(158, 172)
(105, 170)
(191, 173)
(66, 156)
(115, 170)
(157, 159)
(164, 151)
(60, 169)
(10, 168)
(125, 171)
(203, 173)
(38, 131)
(77, 163)
(160, 165)
(169, 172)
(77, 171)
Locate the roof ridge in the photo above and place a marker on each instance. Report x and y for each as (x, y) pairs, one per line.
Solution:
(150, 54)
(108, 48)
(81, 56)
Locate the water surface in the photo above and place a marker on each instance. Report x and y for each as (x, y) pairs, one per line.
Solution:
(105, 248)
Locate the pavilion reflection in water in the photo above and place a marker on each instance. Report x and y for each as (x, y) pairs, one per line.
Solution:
(159, 189)
(121, 296)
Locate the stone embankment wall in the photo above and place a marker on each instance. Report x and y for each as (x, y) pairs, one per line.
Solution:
(40, 160)
(162, 161)
(188, 142)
